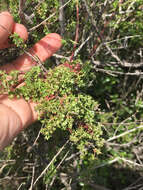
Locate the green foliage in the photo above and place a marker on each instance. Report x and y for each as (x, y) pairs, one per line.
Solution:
(89, 100)
(62, 104)
(3, 5)
(16, 40)
(128, 20)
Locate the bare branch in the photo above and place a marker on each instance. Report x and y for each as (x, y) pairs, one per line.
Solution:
(83, 43)
(115, 73)
(58, 167)
(35, 27)
(33, 174)
(53, 159)
(107, 163)
(62, 17)
(125, 133)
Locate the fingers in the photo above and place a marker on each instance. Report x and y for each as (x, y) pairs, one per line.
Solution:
(22, 108)
(42, 49)
(15, 115)
(20, 30)
(7, 26)
(10, 125)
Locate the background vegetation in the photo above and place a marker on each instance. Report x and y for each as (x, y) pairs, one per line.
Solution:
(95, 140)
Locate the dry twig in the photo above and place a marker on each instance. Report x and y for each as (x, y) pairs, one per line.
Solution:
(53, 159)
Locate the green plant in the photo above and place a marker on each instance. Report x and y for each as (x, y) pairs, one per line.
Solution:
(62, 102)
(17, 41)
(93, 98)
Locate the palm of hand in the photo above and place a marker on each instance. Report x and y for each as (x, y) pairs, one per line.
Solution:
(17, 114)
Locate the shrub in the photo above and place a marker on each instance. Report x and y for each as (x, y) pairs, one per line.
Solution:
(89, 98)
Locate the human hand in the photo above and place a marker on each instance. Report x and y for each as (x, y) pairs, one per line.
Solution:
(17, 114)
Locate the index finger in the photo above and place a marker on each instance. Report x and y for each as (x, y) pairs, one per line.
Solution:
(43, 49)
(6, 26)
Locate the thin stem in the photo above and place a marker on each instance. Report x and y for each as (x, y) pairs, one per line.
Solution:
(44, 171)
(125, 133)
(77, 32)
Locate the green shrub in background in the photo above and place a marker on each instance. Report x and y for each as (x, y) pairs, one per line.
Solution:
(90, 98)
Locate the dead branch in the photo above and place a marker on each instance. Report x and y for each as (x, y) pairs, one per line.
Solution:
(53, 159)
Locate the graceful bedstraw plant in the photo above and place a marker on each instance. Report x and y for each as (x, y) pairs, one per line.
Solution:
(62, 102)
(62, 95)
(17, 41)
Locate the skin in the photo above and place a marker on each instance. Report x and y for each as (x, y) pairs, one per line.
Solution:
(17, 114)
